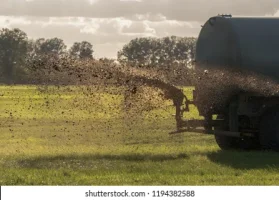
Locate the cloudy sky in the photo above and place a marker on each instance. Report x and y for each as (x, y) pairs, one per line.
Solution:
(109, 24)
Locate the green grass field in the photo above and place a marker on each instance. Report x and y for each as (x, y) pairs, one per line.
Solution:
(65, 136)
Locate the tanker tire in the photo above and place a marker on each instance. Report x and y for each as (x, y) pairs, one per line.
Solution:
(234, 143)
(227, 143)
(269, 131)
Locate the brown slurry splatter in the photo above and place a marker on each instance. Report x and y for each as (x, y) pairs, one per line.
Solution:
(215, 86)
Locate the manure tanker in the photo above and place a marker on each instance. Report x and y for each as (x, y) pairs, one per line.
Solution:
(248, 120)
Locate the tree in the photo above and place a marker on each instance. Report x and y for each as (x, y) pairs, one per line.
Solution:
(158, 51)
(13, 49)
(139, 51)
(82, 50)
(54, 46)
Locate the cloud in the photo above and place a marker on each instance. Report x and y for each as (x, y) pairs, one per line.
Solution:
(107, 35)
(108, 24)
(185, 10)
(118, 29)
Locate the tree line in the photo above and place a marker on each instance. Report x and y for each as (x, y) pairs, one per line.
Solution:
(158, 51)
(16, 51)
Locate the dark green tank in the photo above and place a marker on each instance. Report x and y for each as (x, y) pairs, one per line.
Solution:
(244, 42)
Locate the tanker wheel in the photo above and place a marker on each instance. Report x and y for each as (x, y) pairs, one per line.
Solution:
(231, 143)
(269, 130)
(225, 142)
(234, 143)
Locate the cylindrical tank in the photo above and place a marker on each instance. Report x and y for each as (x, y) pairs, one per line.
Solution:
(245, 42)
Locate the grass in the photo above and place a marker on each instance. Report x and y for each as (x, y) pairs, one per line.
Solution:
(76, 136)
